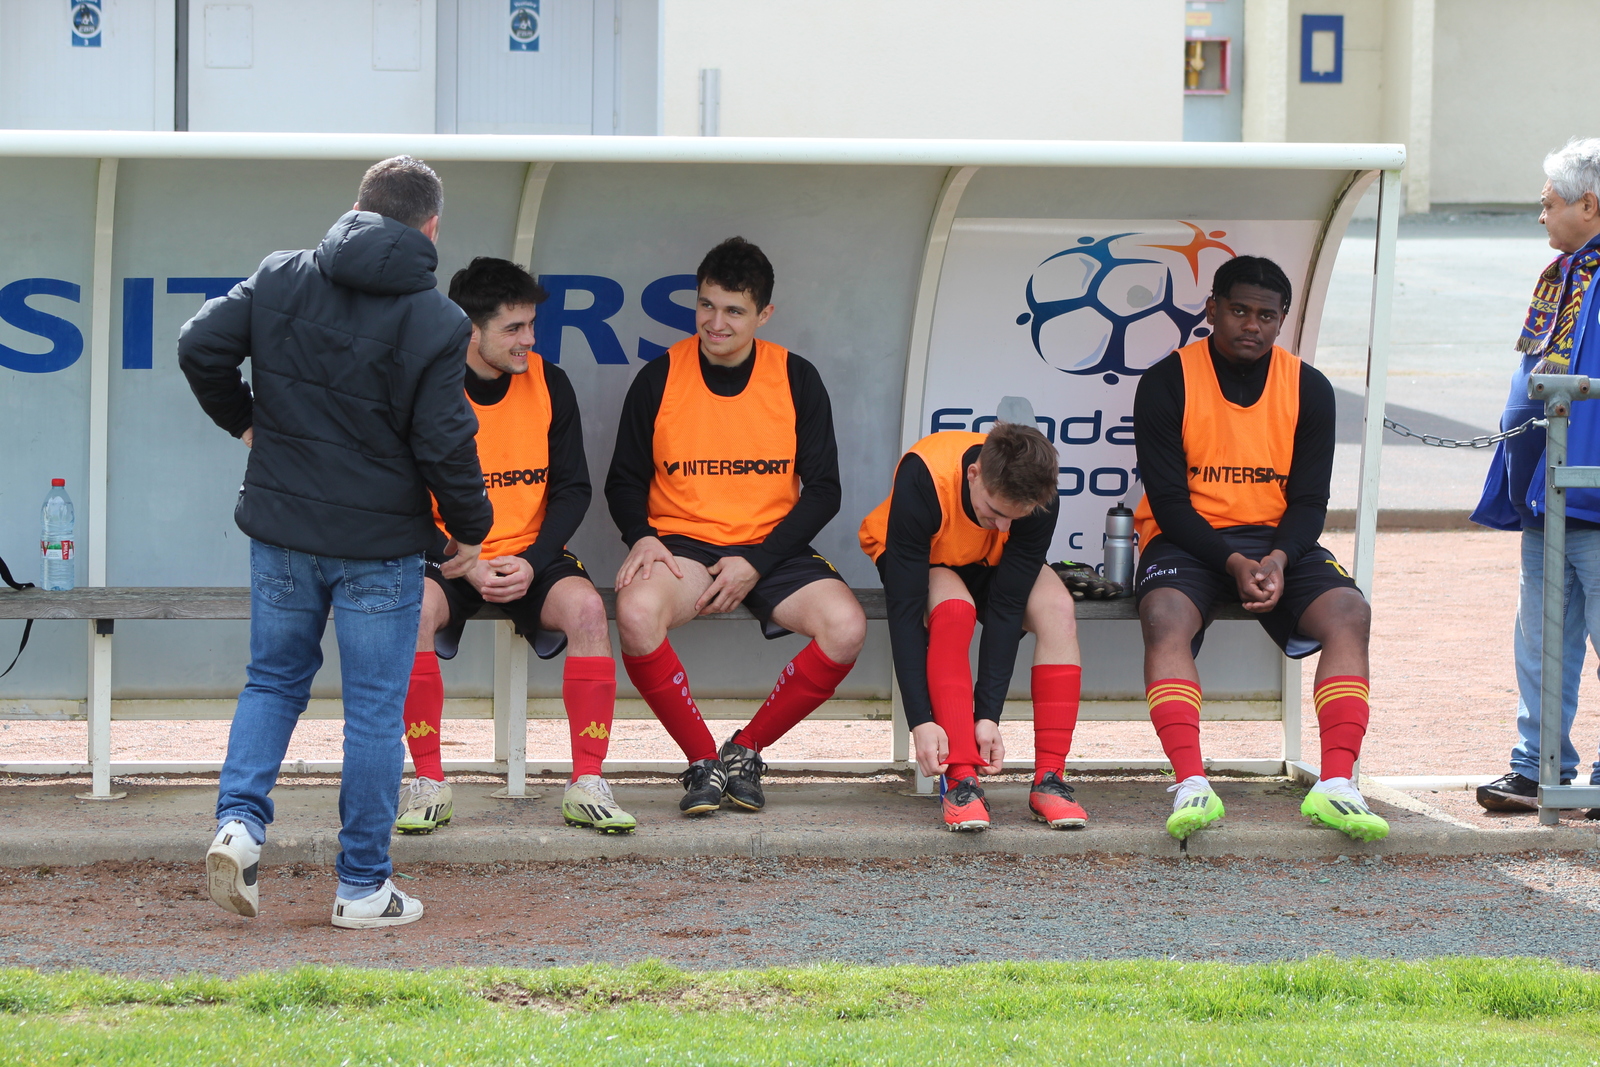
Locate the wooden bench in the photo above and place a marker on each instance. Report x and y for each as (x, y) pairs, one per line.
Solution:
(510, 709)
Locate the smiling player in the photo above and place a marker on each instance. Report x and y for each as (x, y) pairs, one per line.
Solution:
(725, 468)
(530, 445)
(962, 538)
(1235, 441)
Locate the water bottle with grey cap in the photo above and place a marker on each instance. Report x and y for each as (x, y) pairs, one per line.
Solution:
(1119, 547)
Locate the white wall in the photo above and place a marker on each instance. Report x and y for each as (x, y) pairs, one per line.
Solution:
(1351, 110)
(1509, 85)
(324, 66)
(47, 84)
(929, 68)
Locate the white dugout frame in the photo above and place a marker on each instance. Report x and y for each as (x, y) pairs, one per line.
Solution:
(961, 160)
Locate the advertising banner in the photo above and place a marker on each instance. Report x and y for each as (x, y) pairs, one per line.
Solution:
(1069, 313)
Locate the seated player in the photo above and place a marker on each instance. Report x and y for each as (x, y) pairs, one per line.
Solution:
(530, 445)
(725, 469)
(1235, 443)
(962, 539)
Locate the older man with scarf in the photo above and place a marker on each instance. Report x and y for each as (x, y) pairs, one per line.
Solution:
(1561, 336)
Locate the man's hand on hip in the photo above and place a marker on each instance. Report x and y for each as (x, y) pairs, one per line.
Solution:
(459, 559)
(642, 559)
(249, 437)
(734, 577)
(502, 579)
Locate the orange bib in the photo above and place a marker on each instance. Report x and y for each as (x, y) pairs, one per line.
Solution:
(1238, 457)
(958, 541)
(724, 465)
(514, 452)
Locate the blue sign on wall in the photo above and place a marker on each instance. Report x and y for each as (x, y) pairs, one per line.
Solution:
(87, 22)
(524, 25)
(1322, 48)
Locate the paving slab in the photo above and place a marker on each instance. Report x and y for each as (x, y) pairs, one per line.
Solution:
(44, 825)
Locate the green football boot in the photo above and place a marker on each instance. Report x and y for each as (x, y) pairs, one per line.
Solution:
(1335, 802)
(588, 803)
(425, 805)
(1195, 807)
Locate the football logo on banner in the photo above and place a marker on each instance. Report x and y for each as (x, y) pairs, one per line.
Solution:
(87, 22)
(1069, 313)
(524, 25)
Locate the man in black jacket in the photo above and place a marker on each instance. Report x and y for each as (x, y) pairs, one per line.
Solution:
(357, 414)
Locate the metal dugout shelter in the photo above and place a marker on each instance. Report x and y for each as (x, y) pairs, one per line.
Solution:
(114, 239)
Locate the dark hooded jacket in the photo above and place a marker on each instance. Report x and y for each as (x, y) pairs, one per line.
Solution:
(358, 406)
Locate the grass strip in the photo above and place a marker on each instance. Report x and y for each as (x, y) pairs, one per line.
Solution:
(1321, 1011)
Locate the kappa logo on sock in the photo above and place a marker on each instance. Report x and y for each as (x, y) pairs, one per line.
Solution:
(595, 730)
(420, 729)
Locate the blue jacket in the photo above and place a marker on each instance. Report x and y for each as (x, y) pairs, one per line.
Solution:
(1513, 491)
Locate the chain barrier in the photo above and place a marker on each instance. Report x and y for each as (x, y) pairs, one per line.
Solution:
(1482, 441)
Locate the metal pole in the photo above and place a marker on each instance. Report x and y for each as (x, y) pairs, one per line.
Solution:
(1377, 380)
(1555, 608)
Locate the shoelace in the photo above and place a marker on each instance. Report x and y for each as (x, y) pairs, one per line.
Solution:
(423, 791)
(745, 767)
(696, 776)
(966, 791)
(596, 786)
(1054, 786)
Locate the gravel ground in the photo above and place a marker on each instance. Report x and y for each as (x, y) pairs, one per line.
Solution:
(152, 920)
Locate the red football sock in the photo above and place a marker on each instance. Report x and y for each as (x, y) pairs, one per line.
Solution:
(423, 712)
(589, 690)
(1342, 713)
(662, 681)
(1175, 713)
(950, 627)
(808, 680)
(1056, 687)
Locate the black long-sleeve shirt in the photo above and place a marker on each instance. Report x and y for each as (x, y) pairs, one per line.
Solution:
(567, 489)
(1158, 430)
(914, 517)
(816, 456)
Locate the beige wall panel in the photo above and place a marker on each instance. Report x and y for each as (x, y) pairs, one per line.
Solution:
(1351, 110)
(1094, 69)
(1508, 87)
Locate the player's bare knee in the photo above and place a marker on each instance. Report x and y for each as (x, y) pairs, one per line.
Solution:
(1167, 620)
(1348, 615)
(640, 623)
(843, 632)
(589, 623)
(1051, 614)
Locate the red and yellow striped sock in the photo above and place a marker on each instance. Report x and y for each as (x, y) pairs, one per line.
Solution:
(1175, 713)
(1342, 714)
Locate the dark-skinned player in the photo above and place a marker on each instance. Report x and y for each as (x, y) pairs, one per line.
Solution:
(1235, 441)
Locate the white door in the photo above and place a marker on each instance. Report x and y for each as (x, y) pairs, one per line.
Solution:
(564, 85)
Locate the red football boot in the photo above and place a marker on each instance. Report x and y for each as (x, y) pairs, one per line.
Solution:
(964, 805)
(1051, 802)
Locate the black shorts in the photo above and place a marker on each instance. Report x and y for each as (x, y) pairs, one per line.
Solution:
(975, 576)
(524, 614)
(1163, 565)
(773, 588)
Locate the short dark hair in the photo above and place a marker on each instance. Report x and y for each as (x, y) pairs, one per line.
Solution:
(487, 284)
(1019, 466)
(402, 188)
(1251, 270)
(739, 267)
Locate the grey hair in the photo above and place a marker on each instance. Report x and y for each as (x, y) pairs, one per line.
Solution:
(402, 188)
(1574, 168)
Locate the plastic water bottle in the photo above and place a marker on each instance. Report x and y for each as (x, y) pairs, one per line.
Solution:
(1119, 547)
(55, 539)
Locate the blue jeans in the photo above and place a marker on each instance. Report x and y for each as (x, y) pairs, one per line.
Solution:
(377, 604)
(1582, 619)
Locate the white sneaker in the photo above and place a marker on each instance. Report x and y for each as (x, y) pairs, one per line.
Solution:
(232, 863)
(425, 805)
(588, 802)
(387, 906)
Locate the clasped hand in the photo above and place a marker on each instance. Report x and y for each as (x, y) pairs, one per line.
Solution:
(1260, 582)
